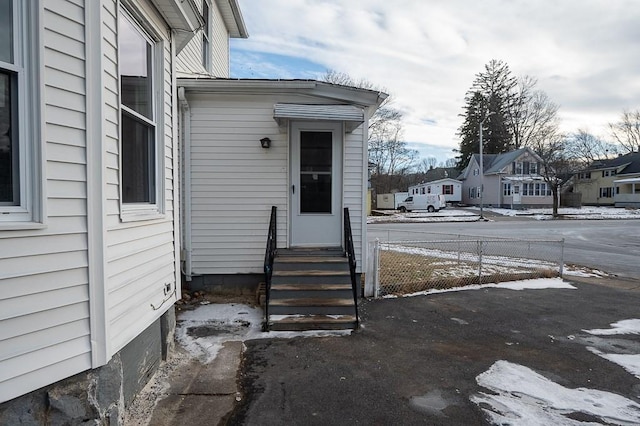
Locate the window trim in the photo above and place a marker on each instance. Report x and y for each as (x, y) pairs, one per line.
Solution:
(29, 213)
(207, 35)
(130, 212)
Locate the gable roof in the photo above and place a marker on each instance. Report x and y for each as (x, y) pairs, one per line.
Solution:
(493, 163)
(630, 163)
(438, 173)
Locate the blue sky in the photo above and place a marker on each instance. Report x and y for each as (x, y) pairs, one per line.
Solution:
(426, 53)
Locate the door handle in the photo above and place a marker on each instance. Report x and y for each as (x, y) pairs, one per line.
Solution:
(293, 188)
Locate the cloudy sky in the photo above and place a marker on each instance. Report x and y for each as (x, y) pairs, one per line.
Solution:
(585, 54)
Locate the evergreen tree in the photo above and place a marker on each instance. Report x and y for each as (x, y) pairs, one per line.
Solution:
(489, 99)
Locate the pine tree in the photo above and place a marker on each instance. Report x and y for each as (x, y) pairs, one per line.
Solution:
(488, 99)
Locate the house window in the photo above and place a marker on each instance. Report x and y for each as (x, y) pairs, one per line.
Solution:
(607, 173)
(533, 168)
(429, 189)
(606, 192)
(506, 189)
(525, 167)
(476, 172)
(584, 175)
(472, 192)
(517, 169)
(206, 35)
(447, 189)
(18, 113)
(422, 190)
(138, 85)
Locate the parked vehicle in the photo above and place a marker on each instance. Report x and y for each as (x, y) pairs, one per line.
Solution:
(428, 202)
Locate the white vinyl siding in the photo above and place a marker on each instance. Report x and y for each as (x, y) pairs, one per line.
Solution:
(44, 291)
(234, 181)
(189, 60)
(140, 255)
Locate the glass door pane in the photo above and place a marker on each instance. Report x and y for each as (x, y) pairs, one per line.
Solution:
(316, 156)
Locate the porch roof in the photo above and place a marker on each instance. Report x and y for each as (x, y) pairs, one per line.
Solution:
(629, 180)
(351, 115)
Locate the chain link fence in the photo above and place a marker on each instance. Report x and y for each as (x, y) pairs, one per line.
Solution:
(404, 267)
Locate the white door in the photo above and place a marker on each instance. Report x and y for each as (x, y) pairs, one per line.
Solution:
(316, 184)
(516, 194)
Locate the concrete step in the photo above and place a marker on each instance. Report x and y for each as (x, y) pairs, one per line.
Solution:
(311, 251)
(326, 263)
(312, 322)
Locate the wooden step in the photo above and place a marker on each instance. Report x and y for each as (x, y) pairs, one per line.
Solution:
(312, 272)
(311, 259)
(312, 302)
(312, 322)
(310, 287)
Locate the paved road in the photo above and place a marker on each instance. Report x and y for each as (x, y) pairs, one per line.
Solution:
(612, 246)
(416, 360)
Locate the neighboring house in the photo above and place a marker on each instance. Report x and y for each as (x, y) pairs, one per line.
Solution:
(511, 180)
(89, 192)
(449, 187)
(298, 145)
(613, 182)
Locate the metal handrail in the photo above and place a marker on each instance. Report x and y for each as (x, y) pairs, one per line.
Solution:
(269, 256)
(351, 255)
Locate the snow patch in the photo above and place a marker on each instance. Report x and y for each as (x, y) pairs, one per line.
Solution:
(203, 331)
(522, 396)
(630, 362)
(533, 284)
(630, 326)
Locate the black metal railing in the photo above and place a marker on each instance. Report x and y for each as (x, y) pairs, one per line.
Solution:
(269, 255)
(351, 255)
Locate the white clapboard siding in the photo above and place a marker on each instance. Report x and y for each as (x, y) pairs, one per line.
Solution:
(220, 45)
(234, 181)
(189, 59)
(44, 309)
(140, 255)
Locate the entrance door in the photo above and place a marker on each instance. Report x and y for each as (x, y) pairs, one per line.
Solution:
(516, 194)
(316, 184)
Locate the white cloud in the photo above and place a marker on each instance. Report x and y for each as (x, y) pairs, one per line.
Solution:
(426, 53)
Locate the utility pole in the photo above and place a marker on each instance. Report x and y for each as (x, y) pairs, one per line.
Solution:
(482, 167)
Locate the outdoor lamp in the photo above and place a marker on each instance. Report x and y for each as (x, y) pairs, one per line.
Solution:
(265, 142)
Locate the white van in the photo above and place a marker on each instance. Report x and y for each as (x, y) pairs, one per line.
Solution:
(428, 202)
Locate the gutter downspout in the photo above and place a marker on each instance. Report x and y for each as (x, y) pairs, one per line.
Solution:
(185, 121)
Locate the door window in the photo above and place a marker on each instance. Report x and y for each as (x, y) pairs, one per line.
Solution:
(316, 157)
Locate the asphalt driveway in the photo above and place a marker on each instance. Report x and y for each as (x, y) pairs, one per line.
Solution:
(417, 360)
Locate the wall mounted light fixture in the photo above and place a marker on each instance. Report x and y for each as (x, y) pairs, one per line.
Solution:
(265, 142)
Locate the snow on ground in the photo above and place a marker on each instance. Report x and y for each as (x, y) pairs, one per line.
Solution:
(202, 331)
(534, 284)
(522, 396)
(446, 215)
(470, 214)
(584, 212)
(630, 362)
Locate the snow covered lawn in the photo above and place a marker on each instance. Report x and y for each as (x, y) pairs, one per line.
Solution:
(471, 214)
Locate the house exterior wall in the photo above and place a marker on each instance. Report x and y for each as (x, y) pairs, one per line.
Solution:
(189, 60)
(435, 187)
(82, 286)
(140, 254)
(234, 181)
(44, 284)
(590, 188)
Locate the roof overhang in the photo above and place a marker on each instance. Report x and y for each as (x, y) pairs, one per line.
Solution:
(350, 105)
(232, 17)
(352, 116)
(629, 180)
(183, 16)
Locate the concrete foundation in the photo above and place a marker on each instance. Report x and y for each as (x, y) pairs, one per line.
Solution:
(99, 396)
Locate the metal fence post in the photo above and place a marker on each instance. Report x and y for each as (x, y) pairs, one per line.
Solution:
(480, 262)
(376, 282)
(561, 268)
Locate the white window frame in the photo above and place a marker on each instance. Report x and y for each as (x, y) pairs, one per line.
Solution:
(147, 210)
(207, 36)
(506, 189)
(28, 211)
